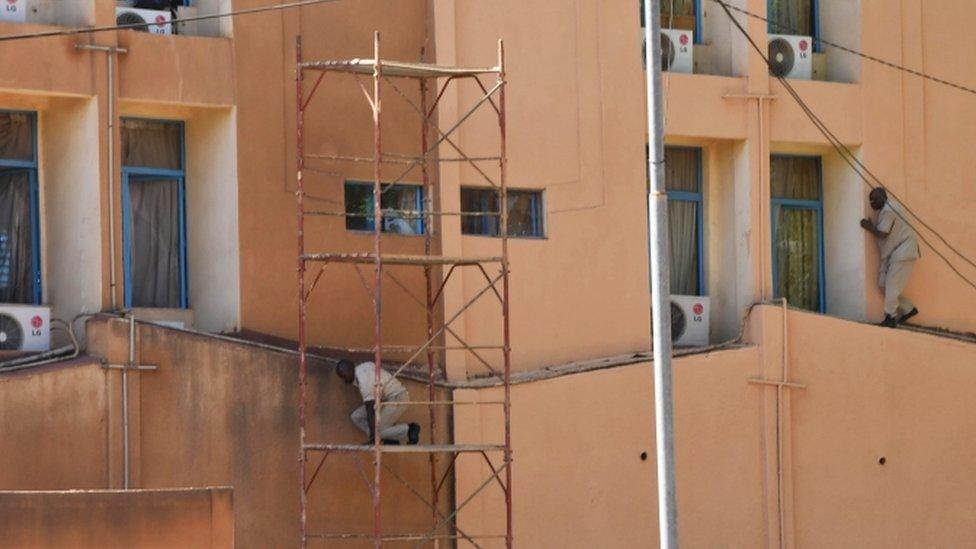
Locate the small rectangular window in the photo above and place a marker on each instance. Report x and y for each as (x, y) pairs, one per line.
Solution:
(152, 144)
(683, 181)
(525, 218)
(403, 208)
(798, 17)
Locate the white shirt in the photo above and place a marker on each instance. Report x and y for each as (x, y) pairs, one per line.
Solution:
(365, 378)
(900, 244)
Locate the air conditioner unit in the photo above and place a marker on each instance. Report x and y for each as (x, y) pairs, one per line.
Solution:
(25, 328)
(689, 320)
(791, 56)
(30, 11)
(677, 50)
(156, 21)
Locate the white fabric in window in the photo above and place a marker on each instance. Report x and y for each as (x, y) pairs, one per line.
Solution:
(155, 242)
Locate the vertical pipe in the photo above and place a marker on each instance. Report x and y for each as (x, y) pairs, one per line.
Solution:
(377, 289)
(657, 206)
(125, 401)
(110, 55)
(428, 220)
(763, 159)
(300, 219)
(503, 231)
(780, 392)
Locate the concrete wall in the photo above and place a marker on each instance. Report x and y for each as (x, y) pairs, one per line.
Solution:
(202, 517)
(214, 413)
(869, 394)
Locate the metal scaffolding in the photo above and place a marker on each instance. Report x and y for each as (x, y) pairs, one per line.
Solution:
(433, 81)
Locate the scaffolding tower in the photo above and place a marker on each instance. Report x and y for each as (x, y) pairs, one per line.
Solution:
(433, 81)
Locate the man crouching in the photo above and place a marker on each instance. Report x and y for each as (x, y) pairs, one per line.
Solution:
(363, 377)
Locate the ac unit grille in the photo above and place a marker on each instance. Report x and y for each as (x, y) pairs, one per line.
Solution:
(679, 322)
(782, 58)
(131, 18)
(11, 333)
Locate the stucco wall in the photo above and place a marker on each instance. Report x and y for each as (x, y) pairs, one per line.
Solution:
(869, 393)
(191, 518)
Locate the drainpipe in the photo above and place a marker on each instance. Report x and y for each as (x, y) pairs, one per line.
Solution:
(660, 267)
(110, 52)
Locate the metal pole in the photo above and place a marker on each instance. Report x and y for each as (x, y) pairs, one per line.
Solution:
(300, 218)
(507, 347)
(125, 402)
(657, 208)
(378, 290)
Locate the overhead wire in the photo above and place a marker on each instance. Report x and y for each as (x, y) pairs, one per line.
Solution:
(850, 50)
(846, 153)
(106, 28)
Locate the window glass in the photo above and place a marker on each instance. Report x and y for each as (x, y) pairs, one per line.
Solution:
(154, 242)
(675, 14)
(402, 208)
(682, 173)
(791, 17)
(681, 169)
(524, 213)
(16, 136)
(152, 144)
(795, 177)
(17, 273)
(798, 256)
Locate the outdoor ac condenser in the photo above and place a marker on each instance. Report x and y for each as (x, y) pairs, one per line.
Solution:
(677, 50)
(689, 320)
(25, 328)
(791, 56)
(29, 11)
(157, 21)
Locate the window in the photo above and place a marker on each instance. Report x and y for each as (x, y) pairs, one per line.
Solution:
(154, 214)
(801, 17)
(684, 16)
(20, 252)
(403, 207)
(524, 213)
(797, 227)
(683, 180)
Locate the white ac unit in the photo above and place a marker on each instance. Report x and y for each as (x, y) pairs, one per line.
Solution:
(30, 11)
(689, 320)
(156, 21)
(790, 56)
(677, 50)
(25, 328)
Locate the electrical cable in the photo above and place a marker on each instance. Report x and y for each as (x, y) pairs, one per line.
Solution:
(852, 51)
(107, 28)
(842, 149)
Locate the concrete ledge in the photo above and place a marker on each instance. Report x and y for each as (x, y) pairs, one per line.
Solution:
(191, 517)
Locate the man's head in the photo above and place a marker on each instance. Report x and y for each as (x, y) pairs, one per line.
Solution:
(346, 371)
(878, 198)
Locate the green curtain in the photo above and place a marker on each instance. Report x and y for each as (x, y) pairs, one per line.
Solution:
(791, 17)
(684, 9)
(798, 256)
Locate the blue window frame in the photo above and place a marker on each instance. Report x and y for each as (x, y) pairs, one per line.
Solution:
(402, 204)
(154, 183)
(813, 31)
(664, 4)
(18, 175)
(525, 213)
(683, 180)
(796, 193)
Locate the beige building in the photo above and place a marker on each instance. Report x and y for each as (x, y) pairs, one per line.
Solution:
(154, 173)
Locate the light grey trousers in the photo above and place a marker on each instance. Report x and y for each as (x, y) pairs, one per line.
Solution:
(894, 278)
(389, 428)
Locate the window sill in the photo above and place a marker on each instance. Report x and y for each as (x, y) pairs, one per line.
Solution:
(371, 233)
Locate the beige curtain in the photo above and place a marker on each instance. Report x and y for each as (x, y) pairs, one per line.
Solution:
(681, 170)
(16, 238)
(151, 144)
(796, 177)
(521, 214)
(16, 136)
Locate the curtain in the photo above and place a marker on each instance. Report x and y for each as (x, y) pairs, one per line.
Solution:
(152, 144)
(155, 242)
(521, 214)
(16, 238)
(790, 17)
(477, 201)
(683, 230)
(798, 257)
(16, 136)
(796, 177)
(682, 174)
(682, 16)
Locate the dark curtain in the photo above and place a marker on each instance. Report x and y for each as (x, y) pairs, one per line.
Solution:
(152, 144)
(796, 177)
(798, 257)
(522, 216)
(16, 238)
(479, 201)
(16, 136)
(155, 242)
(791, 17)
